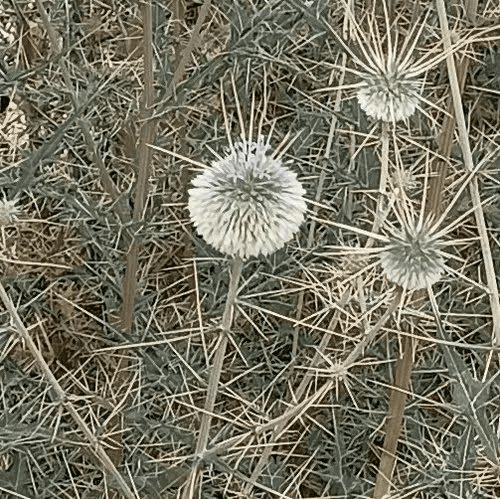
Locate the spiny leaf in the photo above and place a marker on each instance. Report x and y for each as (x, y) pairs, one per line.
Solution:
(470, 395)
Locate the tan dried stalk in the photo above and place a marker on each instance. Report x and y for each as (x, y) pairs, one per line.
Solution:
(463, 140)
(143, 160)
(404, 365)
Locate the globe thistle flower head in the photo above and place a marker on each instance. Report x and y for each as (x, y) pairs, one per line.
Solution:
(389, 89)
(389, 94)
(8, 211)
(413, 258)
(248, 202)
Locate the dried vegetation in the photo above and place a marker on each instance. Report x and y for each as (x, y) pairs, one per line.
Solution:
(113, 303)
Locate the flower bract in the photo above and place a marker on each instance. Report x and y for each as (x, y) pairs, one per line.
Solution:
(248, 202)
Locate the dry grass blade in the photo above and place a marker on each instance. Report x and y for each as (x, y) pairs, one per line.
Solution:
(438, 176)
(474, 188)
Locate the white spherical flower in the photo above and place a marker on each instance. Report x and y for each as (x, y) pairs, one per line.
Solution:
(389, 95)
(413, 259)
(247, 203)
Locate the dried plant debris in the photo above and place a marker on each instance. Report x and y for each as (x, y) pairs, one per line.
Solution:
(338, 95)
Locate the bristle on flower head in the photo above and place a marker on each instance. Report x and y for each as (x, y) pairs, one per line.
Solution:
(247, 203)
(413, 258)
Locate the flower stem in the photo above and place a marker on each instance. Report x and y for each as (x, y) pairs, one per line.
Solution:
(384, 178)
(213, 382)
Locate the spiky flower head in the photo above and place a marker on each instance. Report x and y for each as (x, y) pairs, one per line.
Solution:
(247, 203)
(8, 211)
(389, 93)
(413, 258)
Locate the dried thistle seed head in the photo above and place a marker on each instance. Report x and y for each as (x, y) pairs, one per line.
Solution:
(8, 211)
(389, 95)
(413, 259)
(247, 203)
(404, 179)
